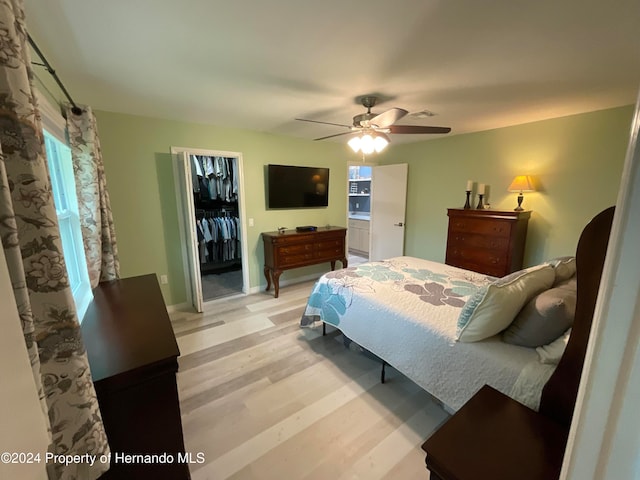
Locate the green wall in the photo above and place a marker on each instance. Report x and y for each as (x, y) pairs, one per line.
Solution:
(577, 162)
(140, 180)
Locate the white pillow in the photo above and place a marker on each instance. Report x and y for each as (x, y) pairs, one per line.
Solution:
(552, 352)
(494, 306)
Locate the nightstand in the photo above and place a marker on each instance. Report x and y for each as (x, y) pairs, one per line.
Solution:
(493, 436)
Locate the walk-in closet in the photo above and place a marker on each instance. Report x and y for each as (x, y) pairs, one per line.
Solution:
(211, 221)
(218, 227)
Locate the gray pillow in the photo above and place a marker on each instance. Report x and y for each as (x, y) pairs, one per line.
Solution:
(565, 268)
(547, 316)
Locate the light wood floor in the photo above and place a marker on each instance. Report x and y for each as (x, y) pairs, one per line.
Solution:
(262, 398)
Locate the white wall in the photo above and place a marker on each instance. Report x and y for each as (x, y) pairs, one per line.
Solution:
(22, 424)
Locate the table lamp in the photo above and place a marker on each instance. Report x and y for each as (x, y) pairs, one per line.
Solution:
(520, 184)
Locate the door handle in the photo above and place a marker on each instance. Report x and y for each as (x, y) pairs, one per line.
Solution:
(399, 224)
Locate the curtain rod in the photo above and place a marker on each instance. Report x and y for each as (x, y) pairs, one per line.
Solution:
(75, 109)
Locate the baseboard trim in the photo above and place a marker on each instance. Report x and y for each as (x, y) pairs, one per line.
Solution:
(180, 307)
(284, 283)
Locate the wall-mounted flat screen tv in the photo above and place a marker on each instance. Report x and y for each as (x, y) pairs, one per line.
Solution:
(290, 186)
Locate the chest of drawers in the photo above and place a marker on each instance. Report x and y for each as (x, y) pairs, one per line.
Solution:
(487, 241)
(133, 356)
(292, 249)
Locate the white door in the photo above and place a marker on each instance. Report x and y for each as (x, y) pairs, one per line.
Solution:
(188, 227)
(388, 205)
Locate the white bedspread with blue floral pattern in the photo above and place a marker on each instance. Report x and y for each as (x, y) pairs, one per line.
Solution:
(405, 310)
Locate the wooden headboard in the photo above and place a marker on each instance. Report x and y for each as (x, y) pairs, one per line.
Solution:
(560, 392)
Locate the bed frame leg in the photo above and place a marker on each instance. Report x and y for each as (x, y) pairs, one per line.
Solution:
(324, 329)
(382, 373)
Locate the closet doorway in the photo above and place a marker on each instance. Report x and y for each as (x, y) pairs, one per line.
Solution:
(209, 190)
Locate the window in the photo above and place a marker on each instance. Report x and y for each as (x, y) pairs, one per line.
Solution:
(66, 202)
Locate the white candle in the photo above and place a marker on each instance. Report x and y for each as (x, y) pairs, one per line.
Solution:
(469, 185)
(481, 189)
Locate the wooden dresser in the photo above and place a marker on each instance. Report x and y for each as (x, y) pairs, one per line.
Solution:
(487, 241)
(292, 249)
(133, 355)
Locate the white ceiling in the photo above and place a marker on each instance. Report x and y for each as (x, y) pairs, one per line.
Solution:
(260, 64)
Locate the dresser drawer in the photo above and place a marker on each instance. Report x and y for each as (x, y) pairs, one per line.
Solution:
(476, 240)
(330, 243)
(491, 270)
(278, 240)
(294, 249)
(480, 226)
(330, 253)
(288, 260)
(462, 255)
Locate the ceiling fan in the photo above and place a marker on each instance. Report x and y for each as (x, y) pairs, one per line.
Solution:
(372, 128)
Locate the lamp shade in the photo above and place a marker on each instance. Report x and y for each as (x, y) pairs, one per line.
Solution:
(522, 183)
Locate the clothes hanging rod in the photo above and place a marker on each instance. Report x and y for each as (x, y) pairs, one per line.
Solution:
(75, 109)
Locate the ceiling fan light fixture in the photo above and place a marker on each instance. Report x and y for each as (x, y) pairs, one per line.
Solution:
(354, 143)
(367, 144)
(380, 142)
(369, 126)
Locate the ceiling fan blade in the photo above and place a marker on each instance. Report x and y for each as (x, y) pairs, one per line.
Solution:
(417, 129)
(336, 135)
(388, 118)
(325, 123)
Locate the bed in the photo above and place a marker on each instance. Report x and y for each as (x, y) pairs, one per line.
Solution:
(407, 312)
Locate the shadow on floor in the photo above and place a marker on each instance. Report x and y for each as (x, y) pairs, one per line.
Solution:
(218, 285)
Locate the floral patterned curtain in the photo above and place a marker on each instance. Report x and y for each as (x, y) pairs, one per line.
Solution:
(96, 219)
(33, 250)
